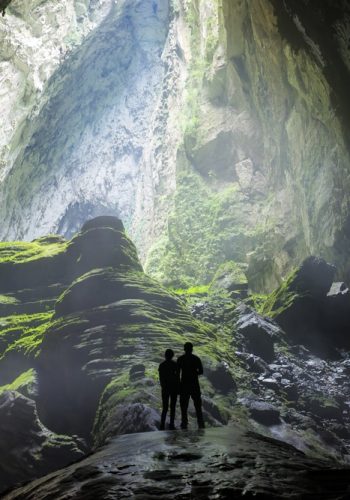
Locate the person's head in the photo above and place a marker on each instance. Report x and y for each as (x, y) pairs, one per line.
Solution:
(169, 354)
(188, 348)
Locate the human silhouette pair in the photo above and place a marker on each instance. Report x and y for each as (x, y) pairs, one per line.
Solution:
(181, 377)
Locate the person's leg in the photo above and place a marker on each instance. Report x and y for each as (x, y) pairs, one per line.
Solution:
(197, 401)
(165, 402)
(173, 398)
(184, 400)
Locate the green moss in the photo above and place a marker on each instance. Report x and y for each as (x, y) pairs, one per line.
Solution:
(22, 251)
(205, 229)
(280, 299)
(193, 290)
(7, 299)
(23, 333)
(22, 384)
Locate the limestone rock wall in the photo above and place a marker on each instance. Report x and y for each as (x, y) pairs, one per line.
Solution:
(217, 130)
(265, 143)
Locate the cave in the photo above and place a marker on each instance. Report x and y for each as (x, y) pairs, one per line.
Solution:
(174, 173)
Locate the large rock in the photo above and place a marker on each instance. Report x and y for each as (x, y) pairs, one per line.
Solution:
(311, 309)
(223, 463)
(314, 277)
(257, 334)
(262, 412)
(127, 419)
(27, 448)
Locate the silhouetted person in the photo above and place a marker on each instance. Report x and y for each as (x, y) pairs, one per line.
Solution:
(190, 366)
(169, 381)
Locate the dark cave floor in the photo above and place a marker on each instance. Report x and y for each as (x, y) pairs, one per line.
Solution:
(215, 463)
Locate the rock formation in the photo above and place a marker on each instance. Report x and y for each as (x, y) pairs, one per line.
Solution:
(225, 117)
(83, 330)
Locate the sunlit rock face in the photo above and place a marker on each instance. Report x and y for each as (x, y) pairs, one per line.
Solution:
(85, 147)
(217, 130)
(263, 175)
(35, 38)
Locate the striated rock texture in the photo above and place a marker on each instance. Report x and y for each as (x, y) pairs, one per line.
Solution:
(218, 463)
(263, 172)
(82, 332)
(27, 448)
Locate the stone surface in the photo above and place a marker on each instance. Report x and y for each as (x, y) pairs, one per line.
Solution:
(312, 309)
(227, 118)
(27, 448)
(257, 333)
(221, 463)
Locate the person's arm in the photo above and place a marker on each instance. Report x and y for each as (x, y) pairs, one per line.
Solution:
(200, 367)
(161, 375)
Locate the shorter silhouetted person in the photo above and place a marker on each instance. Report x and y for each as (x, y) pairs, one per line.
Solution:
(190, 367)
(169, 381)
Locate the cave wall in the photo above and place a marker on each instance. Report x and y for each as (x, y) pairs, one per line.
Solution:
(263, 170)
(217, 129)
(82, 153)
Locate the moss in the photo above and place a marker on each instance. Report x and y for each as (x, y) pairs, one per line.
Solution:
(8, 299)
(281, 299)
(193, 290)
(21, 252)
(23, 333)
(205, 229)
(23, 384)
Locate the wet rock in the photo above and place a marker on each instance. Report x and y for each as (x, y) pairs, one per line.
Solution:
(262, 412)
(257, 333)
(128, 419)
(221, 378)
(217, 462)
(270, 382)
(137, 372)
(27, 448)
(255, 364)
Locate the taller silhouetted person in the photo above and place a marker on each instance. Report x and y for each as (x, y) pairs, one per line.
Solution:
(190, 367)
(169, 381)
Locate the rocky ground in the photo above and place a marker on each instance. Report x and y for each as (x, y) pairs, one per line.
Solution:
(83, 330)
(225, 463)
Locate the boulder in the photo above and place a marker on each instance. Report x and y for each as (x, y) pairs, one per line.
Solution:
(314, 277)
(310, 309)
(262, 412)
(128, 419)
(27, 448)
(221, 378)
(256, 333)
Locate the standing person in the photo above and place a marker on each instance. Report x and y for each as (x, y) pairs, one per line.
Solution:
(169, 381)
(190, 367)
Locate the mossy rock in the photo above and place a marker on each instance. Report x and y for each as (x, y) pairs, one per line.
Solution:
(230, 276)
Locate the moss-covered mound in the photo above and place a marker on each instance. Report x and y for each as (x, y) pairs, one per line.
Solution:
(80, 317)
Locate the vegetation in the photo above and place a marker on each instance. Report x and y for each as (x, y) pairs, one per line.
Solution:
(23, 384)
(280, 299)
(205, 229)
(19, 252)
